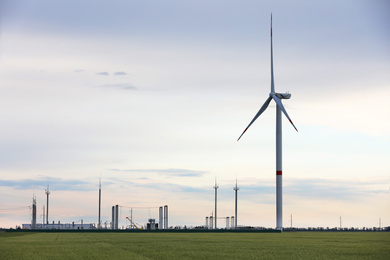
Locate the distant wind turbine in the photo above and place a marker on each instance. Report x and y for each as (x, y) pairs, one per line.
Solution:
(279, 109)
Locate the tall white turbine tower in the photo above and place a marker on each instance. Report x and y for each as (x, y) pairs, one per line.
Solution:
(215, 218)
(279, 109)
(235, 208)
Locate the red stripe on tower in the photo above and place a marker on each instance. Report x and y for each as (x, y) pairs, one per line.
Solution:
(278, 172)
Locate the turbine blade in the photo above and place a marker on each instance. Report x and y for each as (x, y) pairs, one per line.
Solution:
(272, 64)
(279, 103)
(262, 109)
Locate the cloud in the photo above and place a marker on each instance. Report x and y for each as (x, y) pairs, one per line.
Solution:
(78, 71)
(156, 185)
(321, 190)
(105, 73)
(120, 73)
(348, 189)
(121, 86)
(54, 183)
(167, 172)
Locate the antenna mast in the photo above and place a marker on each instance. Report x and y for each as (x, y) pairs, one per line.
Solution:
(34, 213)
(47, 204)
(100, 200)
(235, 211)
(215, 218)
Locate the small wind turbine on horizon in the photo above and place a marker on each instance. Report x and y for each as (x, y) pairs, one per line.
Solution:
(279, 109)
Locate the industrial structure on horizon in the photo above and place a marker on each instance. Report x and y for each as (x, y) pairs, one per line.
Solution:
(211, 221)
(151, 224)
(114, 225)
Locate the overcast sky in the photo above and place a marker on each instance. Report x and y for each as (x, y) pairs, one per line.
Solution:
(151, 96)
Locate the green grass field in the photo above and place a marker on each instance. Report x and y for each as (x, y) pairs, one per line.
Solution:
(287, 245)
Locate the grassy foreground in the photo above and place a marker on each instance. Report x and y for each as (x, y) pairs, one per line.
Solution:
(287, 245)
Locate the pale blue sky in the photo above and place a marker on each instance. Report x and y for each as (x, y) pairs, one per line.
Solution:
(152, 96)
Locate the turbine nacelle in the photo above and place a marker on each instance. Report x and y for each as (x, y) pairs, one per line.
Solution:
(283, 95)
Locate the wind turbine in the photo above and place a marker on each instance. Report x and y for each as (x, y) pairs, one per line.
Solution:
(279, 109)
